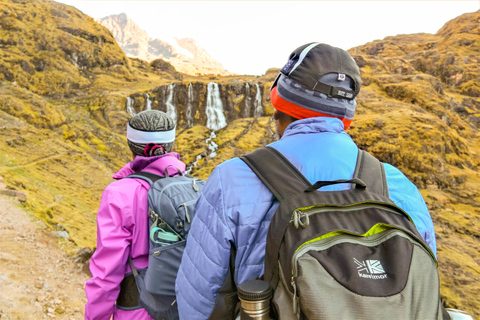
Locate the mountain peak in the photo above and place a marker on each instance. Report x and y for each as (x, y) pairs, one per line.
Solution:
(184, 54)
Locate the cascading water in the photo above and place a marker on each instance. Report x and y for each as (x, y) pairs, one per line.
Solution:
(194, 164)
(214, 109)
(129, 106)
(258, 111)
(148, 102)
(171, 109)
(212, 146)
(248, 101)
(189, 112)
(215, 118)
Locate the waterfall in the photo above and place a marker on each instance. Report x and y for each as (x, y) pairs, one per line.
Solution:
(258, 111)
(171, 109)
(212, 146)
(148, 102)
(129, 106)
(248, 101)
(214, 110)
(189, 106)
(194, 164)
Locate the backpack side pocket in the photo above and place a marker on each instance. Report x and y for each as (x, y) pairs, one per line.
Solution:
(163, 264)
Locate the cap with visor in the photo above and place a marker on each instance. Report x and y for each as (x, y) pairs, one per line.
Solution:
(318, 80)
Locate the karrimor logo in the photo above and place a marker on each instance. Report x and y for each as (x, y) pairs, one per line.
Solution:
(370, 269)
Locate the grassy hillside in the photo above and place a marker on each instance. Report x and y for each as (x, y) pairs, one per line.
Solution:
(419, 110)
(64, 82)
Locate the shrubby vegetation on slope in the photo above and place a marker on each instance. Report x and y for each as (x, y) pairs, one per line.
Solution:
(419, 110)
(54, 49)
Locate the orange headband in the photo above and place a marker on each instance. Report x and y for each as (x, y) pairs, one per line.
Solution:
(298, 112)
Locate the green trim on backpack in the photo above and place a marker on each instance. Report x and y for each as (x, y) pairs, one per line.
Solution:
(378, 228)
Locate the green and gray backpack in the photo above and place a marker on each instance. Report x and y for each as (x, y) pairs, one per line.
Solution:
(350, 254)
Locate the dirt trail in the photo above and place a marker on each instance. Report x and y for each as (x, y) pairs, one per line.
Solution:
(38, 280)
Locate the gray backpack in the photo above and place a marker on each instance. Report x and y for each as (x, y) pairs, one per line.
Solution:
(171, 201)
(350, 254)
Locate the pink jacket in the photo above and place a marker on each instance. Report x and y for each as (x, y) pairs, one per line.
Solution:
(122, 224)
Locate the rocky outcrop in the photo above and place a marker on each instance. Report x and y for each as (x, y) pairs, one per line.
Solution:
(133, 40)
(188, 101)
(184, 54)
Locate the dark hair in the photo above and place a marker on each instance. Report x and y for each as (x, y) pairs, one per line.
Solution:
(285, 116)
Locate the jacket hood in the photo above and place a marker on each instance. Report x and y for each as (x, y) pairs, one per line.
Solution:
(156, 164)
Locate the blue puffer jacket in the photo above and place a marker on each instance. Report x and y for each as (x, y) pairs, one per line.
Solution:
(235, 207)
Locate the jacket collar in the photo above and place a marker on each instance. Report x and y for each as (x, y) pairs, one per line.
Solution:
(314, 125)
(156, 164)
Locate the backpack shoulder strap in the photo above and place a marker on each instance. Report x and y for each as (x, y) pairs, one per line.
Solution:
(276, 172)
(146, 176)
(371, 171)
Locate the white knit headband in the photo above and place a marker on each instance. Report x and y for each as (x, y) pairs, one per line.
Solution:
(145, 137)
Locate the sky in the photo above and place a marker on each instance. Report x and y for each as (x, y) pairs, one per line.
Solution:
(248, 37)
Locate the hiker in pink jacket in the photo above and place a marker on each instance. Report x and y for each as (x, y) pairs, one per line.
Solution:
(122, 220)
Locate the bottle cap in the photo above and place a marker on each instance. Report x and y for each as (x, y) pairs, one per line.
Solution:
(253, 290)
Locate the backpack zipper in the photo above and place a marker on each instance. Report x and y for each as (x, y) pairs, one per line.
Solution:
(294, 300)
(194, 184)
(374, 239)
(175, 184)
(187, 215)
(300, 218)
(184, 205)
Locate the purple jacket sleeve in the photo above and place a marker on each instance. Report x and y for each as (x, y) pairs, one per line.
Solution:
(114, 234)
(205, 260)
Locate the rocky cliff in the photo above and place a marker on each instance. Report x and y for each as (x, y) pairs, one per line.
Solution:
(184, 54)
(419, 110)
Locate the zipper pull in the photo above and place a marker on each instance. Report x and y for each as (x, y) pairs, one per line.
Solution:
(295, 219)
(195, 187)
(295, 305)
(301, 219)
(186, 213)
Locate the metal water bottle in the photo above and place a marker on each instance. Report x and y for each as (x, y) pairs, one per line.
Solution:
(255, 296)
(458, 314)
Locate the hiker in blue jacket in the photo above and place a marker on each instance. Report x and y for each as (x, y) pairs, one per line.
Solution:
(235, 208)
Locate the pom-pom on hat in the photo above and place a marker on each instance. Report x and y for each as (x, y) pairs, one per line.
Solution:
(318, 80)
